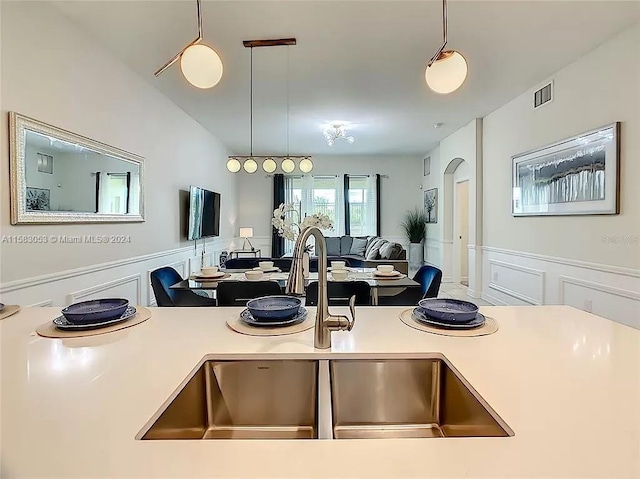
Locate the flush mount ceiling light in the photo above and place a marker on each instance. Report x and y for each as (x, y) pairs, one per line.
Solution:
(200, 64)
(447, 69)
(337, 132)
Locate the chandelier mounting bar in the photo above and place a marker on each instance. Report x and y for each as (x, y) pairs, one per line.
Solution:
(269, 43)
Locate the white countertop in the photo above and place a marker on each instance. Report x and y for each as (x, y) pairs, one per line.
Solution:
(567, 382)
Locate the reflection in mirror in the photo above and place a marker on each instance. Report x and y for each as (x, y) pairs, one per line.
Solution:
(58, 176)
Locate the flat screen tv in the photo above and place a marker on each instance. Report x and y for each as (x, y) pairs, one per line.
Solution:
(204, 213)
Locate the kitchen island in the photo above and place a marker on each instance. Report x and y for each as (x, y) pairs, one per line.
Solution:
(565, 381)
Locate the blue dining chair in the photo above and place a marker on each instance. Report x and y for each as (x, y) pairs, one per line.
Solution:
(161, 281)
(340, 292)
(237, 293)
(429, 278)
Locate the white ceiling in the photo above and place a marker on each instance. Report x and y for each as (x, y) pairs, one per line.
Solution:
(357, 61)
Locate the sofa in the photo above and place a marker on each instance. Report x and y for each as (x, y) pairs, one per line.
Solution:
(367, 252)
(342, 249)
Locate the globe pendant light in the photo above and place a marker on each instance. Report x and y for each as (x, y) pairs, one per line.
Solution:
(269, 165)
(233, 165)
(200, 64)
(447, 70)
(306, 165)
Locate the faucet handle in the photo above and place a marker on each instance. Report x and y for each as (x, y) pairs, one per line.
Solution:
(352, 309)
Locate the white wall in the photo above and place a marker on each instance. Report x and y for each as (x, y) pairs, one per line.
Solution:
(56, 73)
(591, 262)
(400, 191)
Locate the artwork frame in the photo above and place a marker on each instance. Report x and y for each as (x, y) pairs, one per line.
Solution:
(38, 199)
(431, 205)
(579, 175)
(426, 166)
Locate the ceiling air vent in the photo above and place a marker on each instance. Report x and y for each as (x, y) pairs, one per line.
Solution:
(543, 96)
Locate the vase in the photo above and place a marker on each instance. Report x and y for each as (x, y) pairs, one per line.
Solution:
(416, 255)
(305, 265)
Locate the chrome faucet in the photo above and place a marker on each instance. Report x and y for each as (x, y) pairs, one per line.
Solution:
(325, 322)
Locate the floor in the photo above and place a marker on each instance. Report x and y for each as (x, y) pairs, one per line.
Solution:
(459, 291)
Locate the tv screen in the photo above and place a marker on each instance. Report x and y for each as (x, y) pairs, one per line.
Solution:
(204, 213)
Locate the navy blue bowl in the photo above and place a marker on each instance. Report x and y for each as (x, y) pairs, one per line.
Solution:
(449, 310)
(95, 310)
(274, 308)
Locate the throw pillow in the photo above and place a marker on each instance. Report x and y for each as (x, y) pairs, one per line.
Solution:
(391, 251)
(358, 246)
(345, 244)
(370, 242)
(374, 249)
(333, 246)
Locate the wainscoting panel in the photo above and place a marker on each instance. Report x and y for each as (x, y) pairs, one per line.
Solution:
(527, 278)
(129, 287)
(127, 278)
(524, 285)
(601, 299)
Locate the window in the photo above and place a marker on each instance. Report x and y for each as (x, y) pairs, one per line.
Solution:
(363, 205)
(316, 194)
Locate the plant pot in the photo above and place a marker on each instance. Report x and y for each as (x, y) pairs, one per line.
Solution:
(416, 255)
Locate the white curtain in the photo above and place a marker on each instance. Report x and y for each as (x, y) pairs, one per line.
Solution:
(104, 204)
(370, 217)
(134, 194)
(338, 225)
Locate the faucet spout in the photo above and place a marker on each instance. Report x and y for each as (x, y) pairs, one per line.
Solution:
(325, 322)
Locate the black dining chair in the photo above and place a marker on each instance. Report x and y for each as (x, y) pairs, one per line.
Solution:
(429, 278)
(340, 293)
(237, 293)
(161, 281)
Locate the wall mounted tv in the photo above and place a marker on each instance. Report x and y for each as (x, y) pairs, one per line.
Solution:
(204, 213)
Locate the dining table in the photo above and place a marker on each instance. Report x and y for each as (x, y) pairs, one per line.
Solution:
(379, 286)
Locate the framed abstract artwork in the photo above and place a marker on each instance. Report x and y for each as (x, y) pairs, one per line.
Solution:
(576, 176)
(431, 205)
(38, 199)
(426, 166)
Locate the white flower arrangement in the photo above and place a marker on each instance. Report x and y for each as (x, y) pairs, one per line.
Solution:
(289, 229)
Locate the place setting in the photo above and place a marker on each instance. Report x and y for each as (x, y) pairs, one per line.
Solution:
(97, 316)
(449, 317)
(7, 310)
(387, 271)
(272, 316)
(210, 273)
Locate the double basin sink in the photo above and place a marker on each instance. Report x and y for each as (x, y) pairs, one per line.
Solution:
(325, 399)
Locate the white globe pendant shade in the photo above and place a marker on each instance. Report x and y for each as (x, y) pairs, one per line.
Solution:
(269, 165)
(447, 73)
(306, 165)
(233, 165)
(201, 66)
(250, 166)
(288, 165)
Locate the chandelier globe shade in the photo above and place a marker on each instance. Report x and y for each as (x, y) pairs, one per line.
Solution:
(201, 66)
(288, 165)
(233, 165)
(306, 165)
(269, 165)
(447, 73)
(250, 165)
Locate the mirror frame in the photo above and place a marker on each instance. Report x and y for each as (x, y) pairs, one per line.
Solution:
(18, 126)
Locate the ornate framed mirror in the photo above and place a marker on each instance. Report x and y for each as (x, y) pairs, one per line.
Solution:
(61, 177)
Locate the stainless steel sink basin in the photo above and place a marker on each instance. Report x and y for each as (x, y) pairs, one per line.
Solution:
(403, 398)
(274, 399)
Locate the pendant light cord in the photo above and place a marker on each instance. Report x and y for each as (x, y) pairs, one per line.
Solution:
(251, 100)
(287, 100)
(444, 21)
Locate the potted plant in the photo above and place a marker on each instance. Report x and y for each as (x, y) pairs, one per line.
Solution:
(415, 227)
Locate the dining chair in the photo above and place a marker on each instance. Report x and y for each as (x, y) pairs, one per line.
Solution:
(429, 278)
(161, 281)
(237, 293)
(340, 292)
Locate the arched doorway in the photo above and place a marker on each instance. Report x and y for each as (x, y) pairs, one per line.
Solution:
(457, 207)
